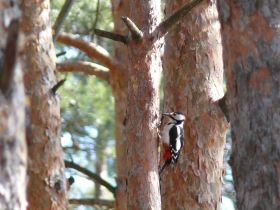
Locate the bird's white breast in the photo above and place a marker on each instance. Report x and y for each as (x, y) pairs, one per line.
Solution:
(165, 133)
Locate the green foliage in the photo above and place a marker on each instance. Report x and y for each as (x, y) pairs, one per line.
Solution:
(87, 110)
(82, 16)
(87, 102)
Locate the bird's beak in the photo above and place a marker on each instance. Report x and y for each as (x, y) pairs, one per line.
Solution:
(166, 114)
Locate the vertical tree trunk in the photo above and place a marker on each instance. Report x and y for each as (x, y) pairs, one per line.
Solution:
(193, 77)
(97, 189)
(250, 32)
(142, 110)
(118, 81)
(47, 186)
(13, 153)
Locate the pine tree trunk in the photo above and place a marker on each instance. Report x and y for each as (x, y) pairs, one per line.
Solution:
(250, 32)
(142, 110)
(13, 153)
(47, 186)
(193, 78)
(118, 81)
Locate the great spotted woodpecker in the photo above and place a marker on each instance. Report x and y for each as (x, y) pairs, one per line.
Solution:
(172, 136)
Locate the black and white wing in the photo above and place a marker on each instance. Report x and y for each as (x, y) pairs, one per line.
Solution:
(176, 136)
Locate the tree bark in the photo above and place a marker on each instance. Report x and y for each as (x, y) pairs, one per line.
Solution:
(47, 185)
(13, 152)
(142, 109)
(250, 33)
(119, 80)
(193, 78)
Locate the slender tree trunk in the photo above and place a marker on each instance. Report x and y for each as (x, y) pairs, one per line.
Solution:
(118, 81)
(13, 153)
(98, 171)
(142, 110)
(250, 32)
(47, 186)
(193, 77)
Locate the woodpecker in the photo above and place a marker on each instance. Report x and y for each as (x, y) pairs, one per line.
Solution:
(172, 137)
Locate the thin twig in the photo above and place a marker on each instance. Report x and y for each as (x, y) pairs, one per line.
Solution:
(10, 58)
(60, 53)
(172, 20)
(61, 18)
(91, 175)
(57, 86)
(136, 33)
(92, 201)
(110, 35)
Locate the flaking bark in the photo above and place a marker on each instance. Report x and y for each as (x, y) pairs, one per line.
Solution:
(250, 32)
(144, 70)
(47, 184)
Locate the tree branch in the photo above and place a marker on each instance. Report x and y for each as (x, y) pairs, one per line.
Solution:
(85, 67)
(92, 50)
(92, 201)
(60, 53)
(91, 175)
(110, 35)
(57, 86)
(61, 18)
(10, 58)
(172, 20)
(136, 33)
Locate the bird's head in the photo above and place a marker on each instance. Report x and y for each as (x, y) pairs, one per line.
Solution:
(177, 116)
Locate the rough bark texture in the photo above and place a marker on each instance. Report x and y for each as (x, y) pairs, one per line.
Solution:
(142, 110)
(193, 78)
(118, 83)
(47, 186)
(251, 37)
(13, 153)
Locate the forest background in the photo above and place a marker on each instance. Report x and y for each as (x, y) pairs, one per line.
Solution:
(87, 108)
(63, 82)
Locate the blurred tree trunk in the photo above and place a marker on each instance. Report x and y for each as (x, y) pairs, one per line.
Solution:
(193, 77)
(250, 32)
(119, 88)
(98, 171)
(144, 70)
(47, 186)
(13, 153)
(100, 148)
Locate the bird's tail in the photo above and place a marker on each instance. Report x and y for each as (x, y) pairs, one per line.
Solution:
(167, 162)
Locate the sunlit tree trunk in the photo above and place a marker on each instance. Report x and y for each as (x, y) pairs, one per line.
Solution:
(142, 109)
(13, 153)
(251, 37)
(193, 78)
(118, 81)
(47, 186)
